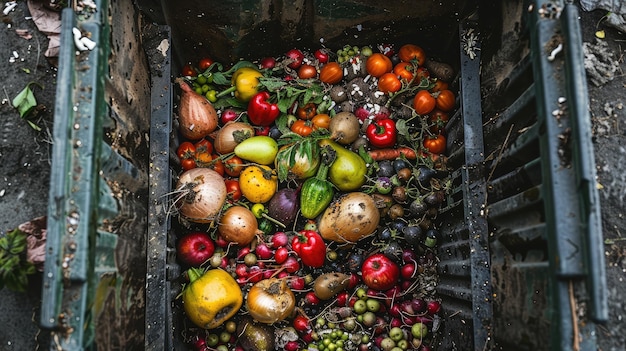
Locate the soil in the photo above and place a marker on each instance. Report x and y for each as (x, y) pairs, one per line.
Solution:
(25, 163)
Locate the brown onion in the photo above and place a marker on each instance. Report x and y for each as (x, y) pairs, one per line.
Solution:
(196, 116)
(230, 135)
(270, 301)
(344, 128)
(201, 192)
(238, 225)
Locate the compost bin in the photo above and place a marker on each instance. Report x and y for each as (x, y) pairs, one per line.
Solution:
(520, 263)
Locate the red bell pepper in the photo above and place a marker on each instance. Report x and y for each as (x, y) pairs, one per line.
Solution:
(382, 133)
(261, 111)
(310, 246)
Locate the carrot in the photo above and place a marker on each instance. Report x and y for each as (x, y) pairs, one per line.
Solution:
(392, 154)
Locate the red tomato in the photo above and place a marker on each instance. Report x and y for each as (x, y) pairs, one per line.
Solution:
(232, 189)
(233, 166)
(446, 100)
(205, 63)
(439, 86)
(410, 52)
(404, 70)
(307, 111)
(331, 73)
(217, 165)
(302, 127)
(389, 83)
(378, 64)
(438, 119)
(424, 102)
(203, 145)
(188, 71)
(307, 71)
(186, 150)
(435, 144)
(187, 164)
(321, 55)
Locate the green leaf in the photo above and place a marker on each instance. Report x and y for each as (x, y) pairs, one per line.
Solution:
(25, 101)
(220, 79)
(281, 124)
(285, 103)
(402, 128)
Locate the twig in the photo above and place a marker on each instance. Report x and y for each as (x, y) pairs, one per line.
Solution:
(38, 54)
(572, 304)
(499, 158)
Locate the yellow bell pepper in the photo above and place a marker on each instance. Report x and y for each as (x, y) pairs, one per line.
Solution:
(245, 80)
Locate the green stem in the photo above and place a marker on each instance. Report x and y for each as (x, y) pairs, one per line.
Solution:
(194, 274)
(226, 92)
(328, 157)
(273, 220)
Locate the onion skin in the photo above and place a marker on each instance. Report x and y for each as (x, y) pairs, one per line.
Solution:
(230, 135)
(352, 217)
(205, 194)
(196, 116)
(238, 225)
(270, 301)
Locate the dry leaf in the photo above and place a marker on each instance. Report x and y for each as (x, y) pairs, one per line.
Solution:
(36, 230)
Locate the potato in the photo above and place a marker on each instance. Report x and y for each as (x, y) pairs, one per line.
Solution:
(440, 70)
(352, 217)
(328, 285)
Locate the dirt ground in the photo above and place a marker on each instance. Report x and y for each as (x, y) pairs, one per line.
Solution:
(25, 164)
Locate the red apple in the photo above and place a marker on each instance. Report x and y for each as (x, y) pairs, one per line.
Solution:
(379, 272)
(195, 248)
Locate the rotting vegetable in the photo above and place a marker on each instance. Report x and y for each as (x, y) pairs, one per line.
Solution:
(381, 114)
(200, 194)
(211, 298)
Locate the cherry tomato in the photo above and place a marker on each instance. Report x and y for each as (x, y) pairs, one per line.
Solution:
(435, 144)
(424, 102)
(302, 127)
(204, 149)
(217, 165)
(321, 55)
(233, 166)
(232, 189)
(204, 145)
(187, 164)
(439, 86)
(378, 64)
(410, 52)
(331, 73)
(389, 83)
(188, 71)
(264, 130)
(404, 70)
(321, 120)
(307, 111)
(437, 119)
(445, 100)
(186, 150)
(205, 63)
(307, 71)
(295, 58)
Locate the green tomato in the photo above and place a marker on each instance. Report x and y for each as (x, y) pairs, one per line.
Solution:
(419, 330)
(211, 95)
(396, 334)
(260, 149)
